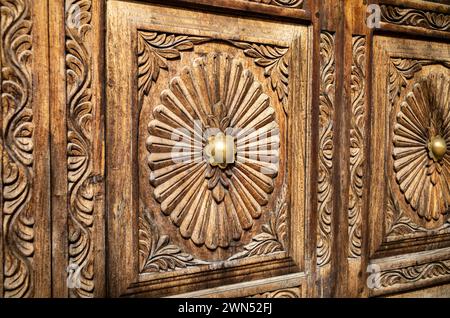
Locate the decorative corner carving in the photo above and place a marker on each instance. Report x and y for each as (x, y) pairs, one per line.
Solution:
(275, 61)
(80, 139)
(274, 234)
(399, 226)
(357, 142)
(415, 17)
(17, 147)
(154, 49)
(156, 254)
(326, 132)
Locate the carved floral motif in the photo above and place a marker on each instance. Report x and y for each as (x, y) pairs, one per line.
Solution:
(17, 147)
(156, 254)
(79, 143)
(212, 205)
(281, 293)
(412, 274)
(281, 3)
(415, 17)
(424, 114)
(325, 189)
(357, 136)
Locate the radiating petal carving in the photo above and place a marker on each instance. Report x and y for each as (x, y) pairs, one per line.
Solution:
(213, 206)
(424, 114)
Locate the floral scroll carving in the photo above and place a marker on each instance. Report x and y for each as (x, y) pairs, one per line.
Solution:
(412, 274)
(281, 293)
(424, 114)
(281, 3)
(357, 136)
(415, 17)
(79, 139)
(325, 191)
(17, 148)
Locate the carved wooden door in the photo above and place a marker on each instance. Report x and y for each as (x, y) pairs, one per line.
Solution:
(232, 148)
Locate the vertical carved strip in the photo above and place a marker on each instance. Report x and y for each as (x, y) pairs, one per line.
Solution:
(357, 135)
(80, 148)
(17, 147)
(326, 104)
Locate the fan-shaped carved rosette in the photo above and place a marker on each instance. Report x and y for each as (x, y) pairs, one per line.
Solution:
(424, 116)
(213, 204)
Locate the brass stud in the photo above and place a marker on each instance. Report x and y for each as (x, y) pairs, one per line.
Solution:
(437, 147)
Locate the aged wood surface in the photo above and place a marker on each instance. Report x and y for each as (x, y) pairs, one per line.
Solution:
(117, 117)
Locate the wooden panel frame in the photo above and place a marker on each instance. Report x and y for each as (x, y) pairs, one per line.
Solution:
(410, 56)
(121, 189)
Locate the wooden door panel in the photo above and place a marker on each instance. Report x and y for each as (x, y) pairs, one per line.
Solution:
(409, 221)
(176, 81)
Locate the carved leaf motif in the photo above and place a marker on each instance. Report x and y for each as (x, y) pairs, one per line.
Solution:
(274, 235)
(414, 17)
(412, 274)
(154, 49)
(424, 114)
(281, 293)
(212, 206)
(275, 61)
(357, 135)
(156, 254)
(400, 71)
(17, 147)
(399, 226)
(281, 3)
(325, 192)
(79, 143)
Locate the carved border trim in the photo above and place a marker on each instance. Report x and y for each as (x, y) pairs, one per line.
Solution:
(415, 17)
(17, 148)
(294, 292)
(155, 49)
(153, 52)
(79, 144)
(281, 3)
(394, 274)
(326, 137)
(357, 149)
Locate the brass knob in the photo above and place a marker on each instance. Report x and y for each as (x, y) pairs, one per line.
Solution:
(437, 147)
(220, 150)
